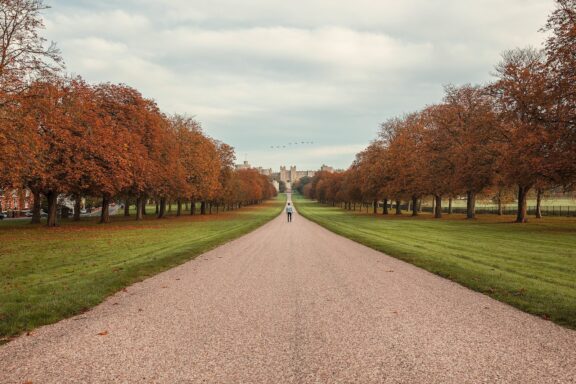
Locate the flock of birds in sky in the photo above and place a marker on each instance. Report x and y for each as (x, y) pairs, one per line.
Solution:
(289, 145)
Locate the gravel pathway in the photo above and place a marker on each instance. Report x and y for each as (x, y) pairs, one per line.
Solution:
(294, 303)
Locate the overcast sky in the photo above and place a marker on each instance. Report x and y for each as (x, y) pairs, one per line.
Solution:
(262, 73)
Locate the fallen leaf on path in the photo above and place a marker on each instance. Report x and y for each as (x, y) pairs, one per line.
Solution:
(103, 333)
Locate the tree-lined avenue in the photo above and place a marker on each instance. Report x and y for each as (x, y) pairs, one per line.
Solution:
(295, 303)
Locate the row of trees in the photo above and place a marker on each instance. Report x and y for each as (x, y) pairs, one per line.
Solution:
(62, 136)
(518, 133)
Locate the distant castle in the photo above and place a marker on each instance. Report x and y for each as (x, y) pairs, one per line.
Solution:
(287, 175)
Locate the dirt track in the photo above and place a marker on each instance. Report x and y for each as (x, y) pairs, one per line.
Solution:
(294, 303)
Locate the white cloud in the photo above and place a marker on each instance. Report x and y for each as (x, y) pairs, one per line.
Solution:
(258, 72)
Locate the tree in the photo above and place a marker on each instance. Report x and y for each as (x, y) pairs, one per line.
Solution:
(440, 172)
(407, 151)
(23, 54)
(300, 184)
(470, 125)
(526, 141)
(561, 89)
(226, 156)
(372, 174)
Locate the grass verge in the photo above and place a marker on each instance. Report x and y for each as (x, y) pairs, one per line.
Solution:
(47, 274)
(530, 266)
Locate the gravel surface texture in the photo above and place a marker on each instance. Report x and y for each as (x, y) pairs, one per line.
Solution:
(295, 303)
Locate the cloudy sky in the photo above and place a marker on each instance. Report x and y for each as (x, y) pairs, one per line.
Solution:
(262, 73)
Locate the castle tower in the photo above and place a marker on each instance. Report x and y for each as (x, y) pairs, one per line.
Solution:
(293, 174)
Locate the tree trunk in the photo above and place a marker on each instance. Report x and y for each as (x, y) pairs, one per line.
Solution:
(385, 210)
(162, 208)
(398, 207)
(470, 205)
(438, 207)
(210, 208)
(52, 197)
(35, 208)
(105, 213)
(77, 207)
(450, 206)
(144, 203)
(186, 206)
(192, 207)
(500, 209)
(169, 205)
(127, 208)
(139, 208)
(539, 203)
(433, 203)
(203, 208)
(414, 205)
(157, 207)
(521, 214)
(179, 207)
(375, 207)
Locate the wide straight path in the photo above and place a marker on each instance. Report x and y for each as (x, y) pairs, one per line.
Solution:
(294, 303)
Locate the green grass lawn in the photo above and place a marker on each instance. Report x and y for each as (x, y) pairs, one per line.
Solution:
(47, 274)
(530, 266)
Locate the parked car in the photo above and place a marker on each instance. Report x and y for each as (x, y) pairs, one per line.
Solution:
(30, 214)
(3, 215)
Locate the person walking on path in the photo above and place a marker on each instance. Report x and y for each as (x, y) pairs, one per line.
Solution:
(289, 211)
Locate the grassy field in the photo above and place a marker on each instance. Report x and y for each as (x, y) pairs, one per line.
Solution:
(530, 266)
(47, 274)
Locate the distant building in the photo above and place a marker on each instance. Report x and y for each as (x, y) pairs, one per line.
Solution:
(244, 165)
(292, 175)
(287, 175)
(15, 199)
(265, 171)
